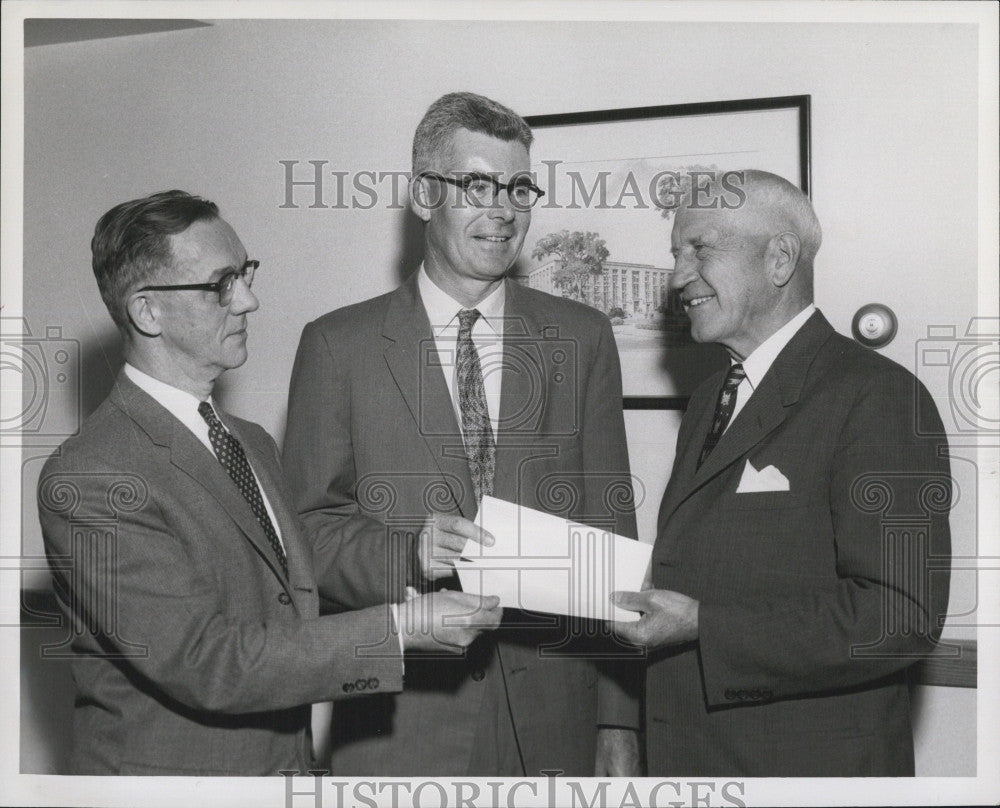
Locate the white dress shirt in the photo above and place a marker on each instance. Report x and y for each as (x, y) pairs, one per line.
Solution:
(487, 335)
(184, 407)
(759, 362)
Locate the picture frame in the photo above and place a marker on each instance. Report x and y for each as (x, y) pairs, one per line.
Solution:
(601, 233)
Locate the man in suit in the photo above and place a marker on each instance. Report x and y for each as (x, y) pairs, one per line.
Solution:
(801, 562)
(409, 408)
(180, 567)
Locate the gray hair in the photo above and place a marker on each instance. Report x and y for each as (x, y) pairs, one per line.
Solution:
(456, 111)
(780, 205)
(131, 243)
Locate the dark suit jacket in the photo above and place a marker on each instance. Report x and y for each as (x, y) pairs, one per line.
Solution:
(191, 654)
(372, 435)
(813, 601)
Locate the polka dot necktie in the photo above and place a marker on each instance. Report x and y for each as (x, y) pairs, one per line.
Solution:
(723, 409)
(234, 460)
(477, 432)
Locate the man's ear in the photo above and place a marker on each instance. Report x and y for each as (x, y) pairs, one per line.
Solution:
(144, 314)
(422, 201)
(783, 257)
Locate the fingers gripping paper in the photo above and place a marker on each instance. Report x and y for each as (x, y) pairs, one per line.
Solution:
(543, 563)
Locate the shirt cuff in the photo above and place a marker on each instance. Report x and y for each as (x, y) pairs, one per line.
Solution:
(394, 608)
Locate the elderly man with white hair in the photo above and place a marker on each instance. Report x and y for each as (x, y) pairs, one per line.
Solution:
(801, 561)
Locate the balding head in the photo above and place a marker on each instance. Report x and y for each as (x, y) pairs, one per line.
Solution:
(744, 245)
(773, 205)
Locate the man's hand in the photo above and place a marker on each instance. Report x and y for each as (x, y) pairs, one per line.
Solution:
(667, 617)
(441, 541)
(446, 621)
(618, 753)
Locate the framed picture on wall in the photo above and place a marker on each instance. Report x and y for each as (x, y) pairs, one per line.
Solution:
(601, 234)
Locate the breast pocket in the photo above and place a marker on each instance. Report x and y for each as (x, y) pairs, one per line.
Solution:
(776, 534)
(766, 500)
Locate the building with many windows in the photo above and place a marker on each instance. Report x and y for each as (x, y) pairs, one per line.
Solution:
(636, 289)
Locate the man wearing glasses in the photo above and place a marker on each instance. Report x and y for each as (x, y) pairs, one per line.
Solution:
(411, 407)
(177, 562)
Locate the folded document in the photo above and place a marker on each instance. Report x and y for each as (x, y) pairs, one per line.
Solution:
(543, 563)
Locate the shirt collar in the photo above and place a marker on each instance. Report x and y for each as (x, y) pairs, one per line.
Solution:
(179, 403)
(758, 363)
(442, 309)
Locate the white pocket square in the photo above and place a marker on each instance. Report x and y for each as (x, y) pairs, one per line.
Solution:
(767, 479)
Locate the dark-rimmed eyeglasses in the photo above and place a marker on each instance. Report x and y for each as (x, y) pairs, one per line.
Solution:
(483, 190)
(225, 286)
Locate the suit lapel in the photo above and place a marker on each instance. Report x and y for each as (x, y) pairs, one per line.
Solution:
(193, 458)
(521, 399)
(763, 413)
(298, 557)
(701, 408)
(411, 357)
(190, 456)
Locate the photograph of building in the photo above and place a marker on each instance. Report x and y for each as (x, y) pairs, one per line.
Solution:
(637, 289)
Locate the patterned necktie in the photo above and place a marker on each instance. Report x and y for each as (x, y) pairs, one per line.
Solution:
(723, 409)
(234, 460)
(477, 431)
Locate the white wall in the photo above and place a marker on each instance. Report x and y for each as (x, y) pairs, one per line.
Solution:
(212, 110)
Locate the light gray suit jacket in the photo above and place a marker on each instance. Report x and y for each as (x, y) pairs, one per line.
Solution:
(191, 653)
(373, 445)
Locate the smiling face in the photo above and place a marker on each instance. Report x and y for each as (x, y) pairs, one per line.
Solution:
(199, 338)
(468, 249)
(720, 270)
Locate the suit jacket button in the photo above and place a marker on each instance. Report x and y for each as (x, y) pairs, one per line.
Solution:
(766, 694)
(284, 599)
(741, 695)
(479, 674)
(730, 694)
(348, 687)
(373, 683)
(361, 684)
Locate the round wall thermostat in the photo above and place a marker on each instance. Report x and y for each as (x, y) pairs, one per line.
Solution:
(874, 325)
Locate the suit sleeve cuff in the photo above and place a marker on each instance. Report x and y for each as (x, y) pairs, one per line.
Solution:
(725, 683)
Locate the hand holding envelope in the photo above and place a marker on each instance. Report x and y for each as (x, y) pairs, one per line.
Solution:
(664, 618)
(543, 563)
(441, 540)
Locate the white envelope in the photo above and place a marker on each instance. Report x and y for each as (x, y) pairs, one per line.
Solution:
(767, 479)
(542, 563)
